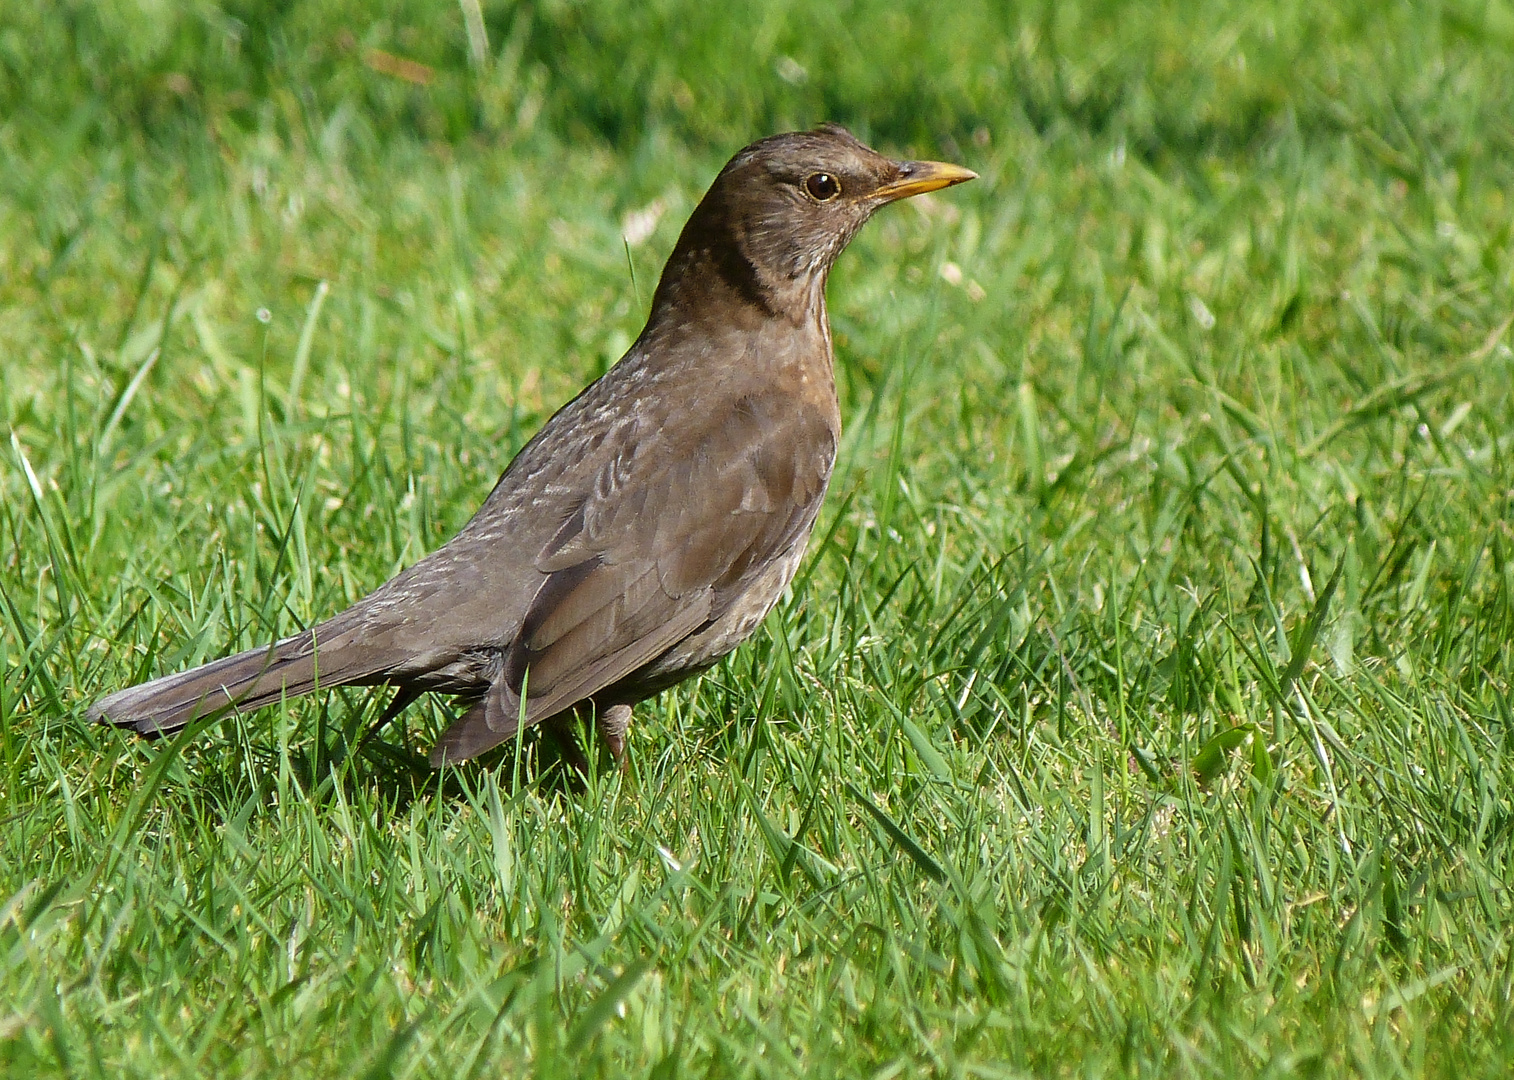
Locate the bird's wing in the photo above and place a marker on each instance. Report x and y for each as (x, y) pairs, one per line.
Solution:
(655, 551)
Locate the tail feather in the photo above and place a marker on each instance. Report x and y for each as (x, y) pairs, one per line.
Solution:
(248, 680)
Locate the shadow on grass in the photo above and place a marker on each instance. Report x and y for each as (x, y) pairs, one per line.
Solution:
(238, 760)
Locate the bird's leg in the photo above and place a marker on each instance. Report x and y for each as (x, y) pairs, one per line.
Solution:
(403, 696)
(612, 724)
(561, 730)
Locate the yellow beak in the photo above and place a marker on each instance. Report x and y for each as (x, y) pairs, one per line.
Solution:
(918, 177)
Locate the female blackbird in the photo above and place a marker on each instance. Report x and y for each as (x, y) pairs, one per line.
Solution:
(652, 522)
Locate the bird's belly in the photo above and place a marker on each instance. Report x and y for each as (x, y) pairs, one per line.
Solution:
(737, 623)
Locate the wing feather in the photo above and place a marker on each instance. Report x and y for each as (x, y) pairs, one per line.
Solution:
(671, 528)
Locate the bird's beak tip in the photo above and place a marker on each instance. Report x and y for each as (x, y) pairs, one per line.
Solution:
(918, 177)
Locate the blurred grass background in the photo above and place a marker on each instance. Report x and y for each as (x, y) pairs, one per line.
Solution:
(1143, 706)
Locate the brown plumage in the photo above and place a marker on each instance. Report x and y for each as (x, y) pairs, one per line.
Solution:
(653, 521)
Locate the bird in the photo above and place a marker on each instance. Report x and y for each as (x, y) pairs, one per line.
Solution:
(650, 525)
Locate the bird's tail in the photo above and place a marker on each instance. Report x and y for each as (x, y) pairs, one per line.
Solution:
(248, 680)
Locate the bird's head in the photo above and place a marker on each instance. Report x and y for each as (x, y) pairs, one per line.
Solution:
(782, 210)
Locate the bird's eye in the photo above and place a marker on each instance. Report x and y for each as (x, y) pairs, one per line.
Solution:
(822, 186)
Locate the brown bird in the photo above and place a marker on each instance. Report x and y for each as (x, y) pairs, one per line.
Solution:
(653, 521)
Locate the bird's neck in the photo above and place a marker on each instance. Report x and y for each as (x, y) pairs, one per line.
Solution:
(701, 318)
(722, 267)
(718, 283)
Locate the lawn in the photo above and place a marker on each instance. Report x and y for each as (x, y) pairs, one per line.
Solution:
(1143, 707)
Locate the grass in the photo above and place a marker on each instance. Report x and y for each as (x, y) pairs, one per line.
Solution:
(1144, 705)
